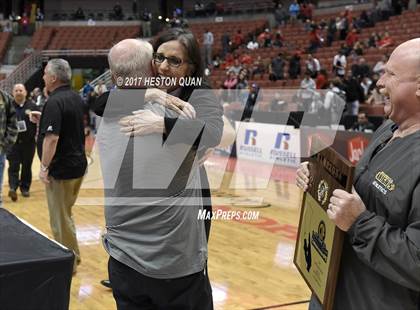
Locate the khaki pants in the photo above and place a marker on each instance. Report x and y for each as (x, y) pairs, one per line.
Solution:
(61, 196)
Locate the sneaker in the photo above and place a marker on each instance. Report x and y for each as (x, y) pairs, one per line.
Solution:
(13, 195)
(25, 193)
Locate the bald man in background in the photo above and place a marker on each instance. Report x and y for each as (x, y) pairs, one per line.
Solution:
(22, 153)
(380, 263)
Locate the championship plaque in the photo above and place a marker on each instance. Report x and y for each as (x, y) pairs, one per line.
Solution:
(319, 242)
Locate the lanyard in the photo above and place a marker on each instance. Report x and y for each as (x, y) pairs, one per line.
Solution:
(20, 112)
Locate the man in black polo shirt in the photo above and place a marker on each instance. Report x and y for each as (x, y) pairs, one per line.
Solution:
(22, 152)
(61, 147)
(380, 262)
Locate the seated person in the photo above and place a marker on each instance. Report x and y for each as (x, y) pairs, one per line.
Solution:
(79, 14)
(363, 124)
(276, 69)
(230, 84)
(252, 45)
(258, 67)
(385, 41)
(376, 97)
(235, 68)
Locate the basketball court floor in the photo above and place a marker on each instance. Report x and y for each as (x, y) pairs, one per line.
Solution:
(250, 260)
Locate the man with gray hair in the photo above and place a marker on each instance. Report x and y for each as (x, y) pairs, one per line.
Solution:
(61, 148)
(124, 59)
(127, 57)
(157, 245)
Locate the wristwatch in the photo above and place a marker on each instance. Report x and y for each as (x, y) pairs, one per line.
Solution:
(44, 168)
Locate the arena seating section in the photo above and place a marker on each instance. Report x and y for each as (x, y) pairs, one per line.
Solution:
(219, 28)
(400, 28)
(237, 6)
(81, 37)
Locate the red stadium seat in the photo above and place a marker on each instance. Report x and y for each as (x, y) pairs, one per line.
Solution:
(80, 37)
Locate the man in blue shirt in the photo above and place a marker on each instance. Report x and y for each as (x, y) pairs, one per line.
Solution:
(294, 11)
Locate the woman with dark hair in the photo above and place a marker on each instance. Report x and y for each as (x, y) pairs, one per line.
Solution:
(177, 54)
(183, 45)
(242, 85)
(242, 79)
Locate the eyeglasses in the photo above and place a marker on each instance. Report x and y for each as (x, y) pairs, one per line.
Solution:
(173, 61)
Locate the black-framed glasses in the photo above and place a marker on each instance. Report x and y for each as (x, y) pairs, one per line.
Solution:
(173, 61)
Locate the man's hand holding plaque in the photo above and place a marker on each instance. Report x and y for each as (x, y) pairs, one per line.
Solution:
(344, 208)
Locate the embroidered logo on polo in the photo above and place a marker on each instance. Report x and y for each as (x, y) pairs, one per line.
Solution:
(50, 128)
(383, 182)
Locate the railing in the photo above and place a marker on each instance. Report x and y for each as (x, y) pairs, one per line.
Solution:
(34, 62)
(64, 52)
(23, 72)
(105, 77)
(95, 14)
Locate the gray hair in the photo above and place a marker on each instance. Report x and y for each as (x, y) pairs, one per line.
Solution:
(59, 68)
(131, 58)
